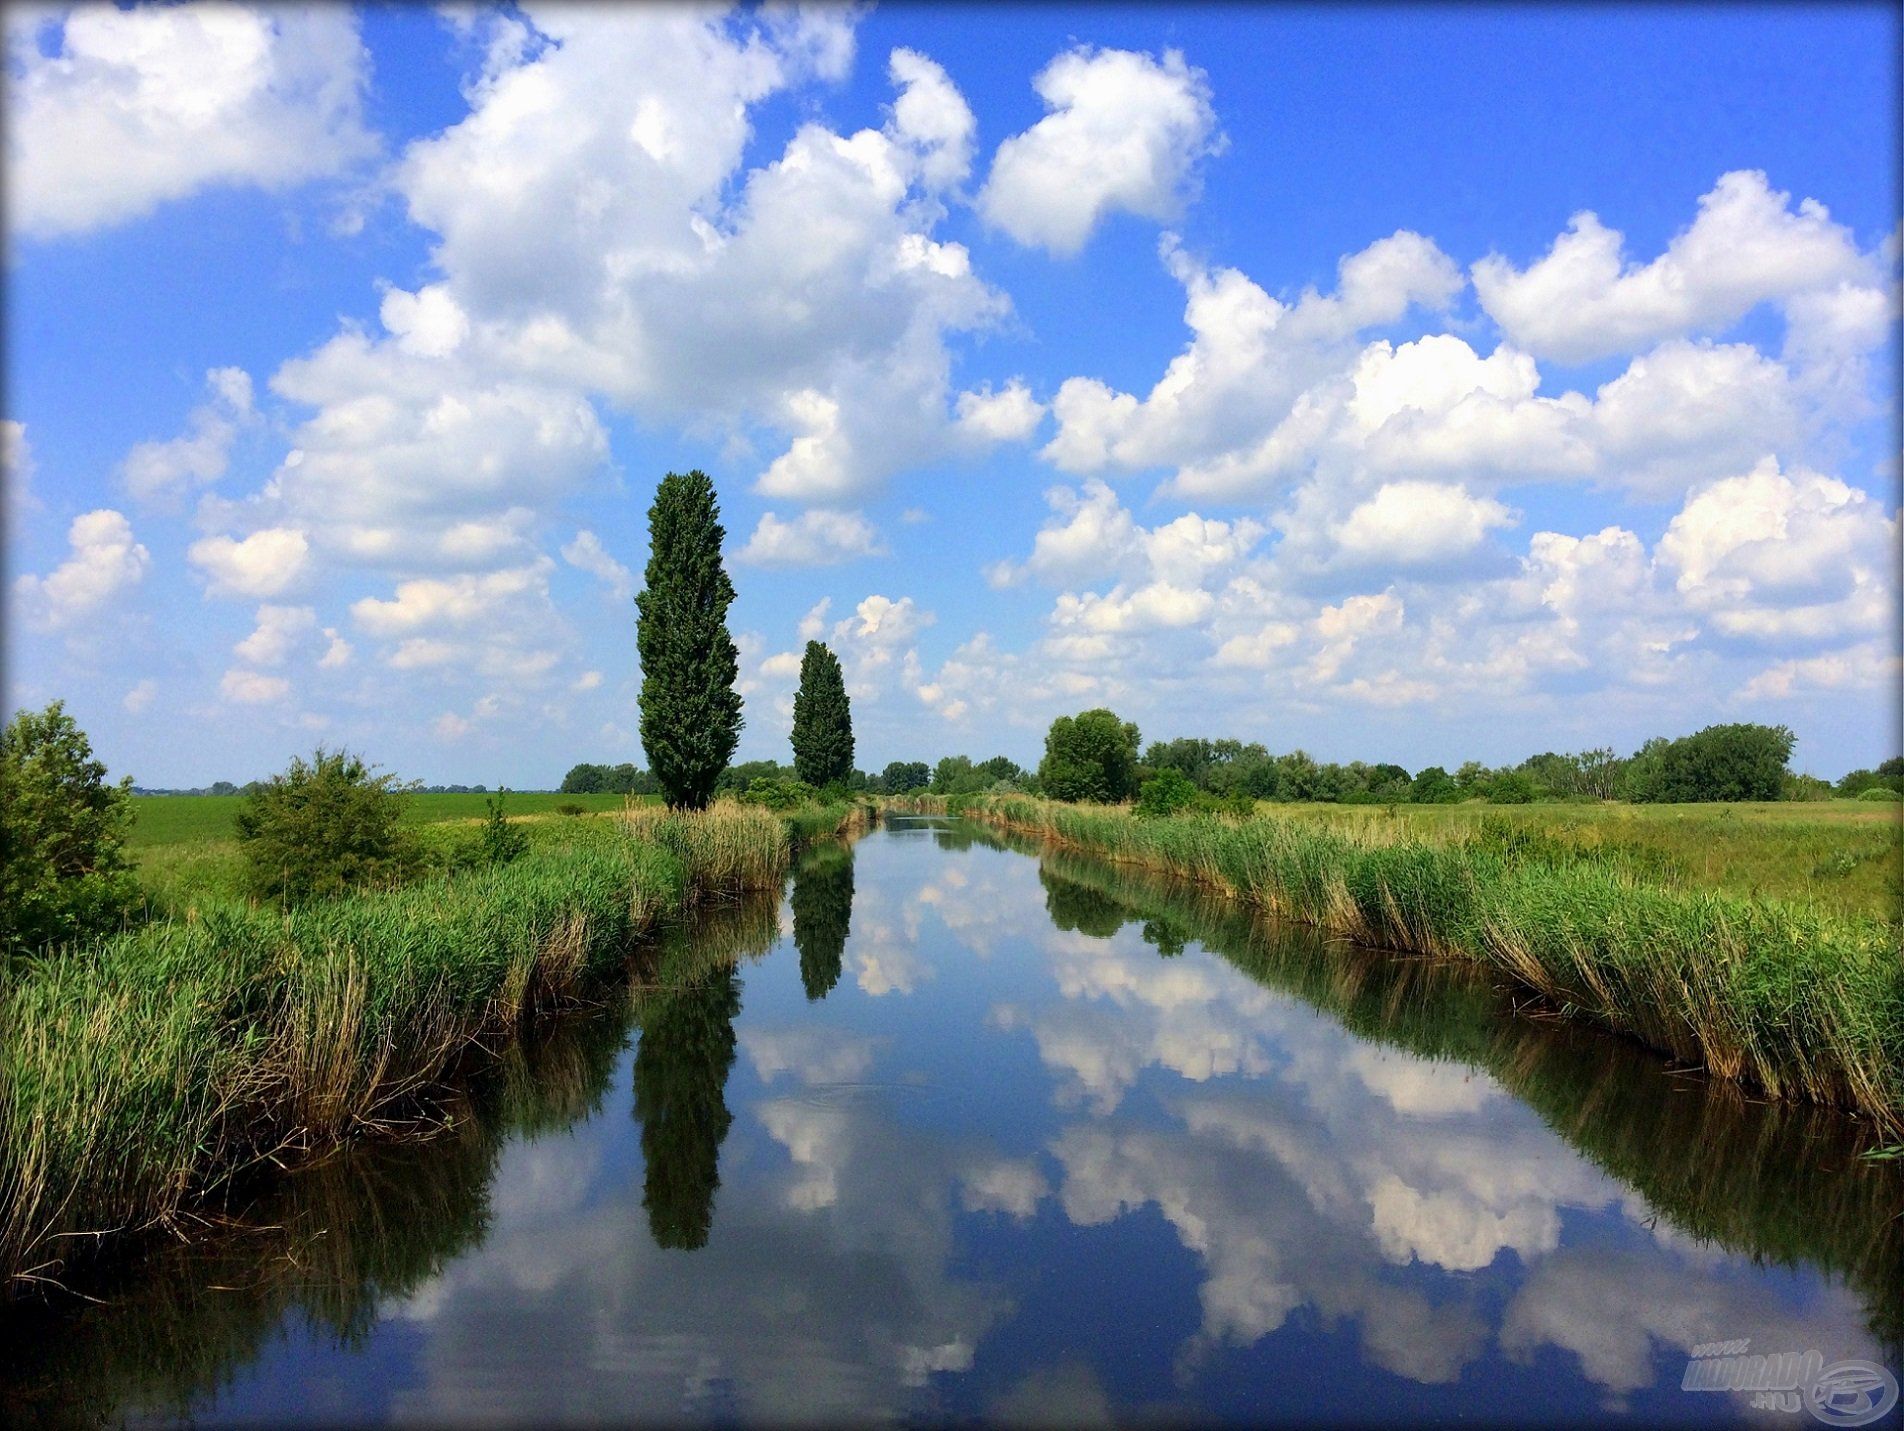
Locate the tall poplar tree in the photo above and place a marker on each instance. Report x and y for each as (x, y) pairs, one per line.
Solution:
(822, 719)
(690, 711)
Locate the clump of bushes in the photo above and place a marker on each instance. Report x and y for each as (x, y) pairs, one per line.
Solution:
(1879, 792)
(778, 793)
(324, 827)
(1165, 793)
(64, 875)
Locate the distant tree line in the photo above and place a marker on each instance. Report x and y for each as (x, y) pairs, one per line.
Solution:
(1097, 756)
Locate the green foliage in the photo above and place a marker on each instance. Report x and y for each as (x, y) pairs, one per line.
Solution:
(1888, 776)
(1883, 793)
(501, 841)
(324, 828)
(736, 778)
(1512, 787)
(1721, 762)
(1091, 756)
(624, 779)
(690, 711)
(1434, 786)
(777, 793)
(903, 775)
(822, 719)
(1165, 793)
(64, 875)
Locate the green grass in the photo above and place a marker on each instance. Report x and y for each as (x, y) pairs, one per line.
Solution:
(162, 820)
(1845, 854)
(1793, 997)
(186, 852)
(140, 1072)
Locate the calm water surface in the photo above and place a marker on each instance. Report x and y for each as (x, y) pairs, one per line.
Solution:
(962, 1131)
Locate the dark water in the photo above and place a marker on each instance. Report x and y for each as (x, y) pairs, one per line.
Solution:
(957, 1131)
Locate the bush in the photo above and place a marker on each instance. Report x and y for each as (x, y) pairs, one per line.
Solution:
(323, 828)
(501, 841)
(63, 871)
(1511, 788)
(1879, 792)
(778, 793)
(570, 807)
(1165, 793)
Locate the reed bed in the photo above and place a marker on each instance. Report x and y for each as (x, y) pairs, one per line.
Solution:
(1786, 997)
(144, 1071)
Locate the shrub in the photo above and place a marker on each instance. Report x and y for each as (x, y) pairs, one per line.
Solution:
(501, 841)
(1879, 792)
(1165, 793)
(1511, 788)
(570, 807)
(323, 828)
(778, 793)
(63, 870)
(1434, 786)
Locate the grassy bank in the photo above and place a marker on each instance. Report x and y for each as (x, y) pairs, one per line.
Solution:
(142, 1073)
(1788, 997)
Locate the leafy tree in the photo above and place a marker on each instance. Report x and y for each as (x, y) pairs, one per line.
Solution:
(1888, 776)
(690, 711)
(681, 1065)
(1721, 762)
(737, 779)
(822, 719)
(585, 780)
(822, 903)
(323, 828)
(64, 875)
(903, 775)
(1512, 787)
(1434, 786)
(1165, 793)
(1091, 756)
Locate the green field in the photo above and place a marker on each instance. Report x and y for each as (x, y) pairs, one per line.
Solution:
(1847, 855)
(172, 819)
(187, 852)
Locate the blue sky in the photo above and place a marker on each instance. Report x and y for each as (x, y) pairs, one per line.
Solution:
(1216, 365)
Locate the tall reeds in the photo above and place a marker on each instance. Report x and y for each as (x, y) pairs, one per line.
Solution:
(1785, 997)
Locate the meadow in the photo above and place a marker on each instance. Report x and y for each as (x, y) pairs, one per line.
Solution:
(1792, 993)
(1847, 855)
(187, 851)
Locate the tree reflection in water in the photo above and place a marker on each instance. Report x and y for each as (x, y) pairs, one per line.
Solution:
(822, 915)
(681, 1064)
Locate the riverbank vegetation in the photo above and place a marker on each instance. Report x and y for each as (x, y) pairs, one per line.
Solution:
(154, 1066)
(1785, 996)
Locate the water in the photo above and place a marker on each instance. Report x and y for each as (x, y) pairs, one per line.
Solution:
(962, 1131)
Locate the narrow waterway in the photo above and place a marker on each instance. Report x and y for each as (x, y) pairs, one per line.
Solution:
(960, 1129)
